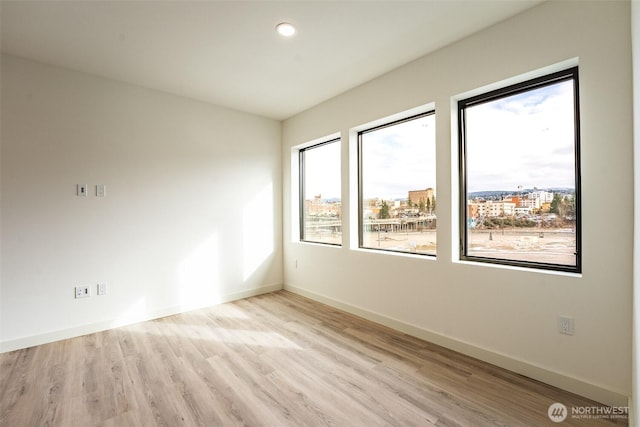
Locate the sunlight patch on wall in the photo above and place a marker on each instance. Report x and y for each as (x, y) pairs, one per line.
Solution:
(137, 312)
(257, 230)
(198, 275)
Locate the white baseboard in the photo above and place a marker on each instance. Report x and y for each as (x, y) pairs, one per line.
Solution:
(574, 385)
(48, 337)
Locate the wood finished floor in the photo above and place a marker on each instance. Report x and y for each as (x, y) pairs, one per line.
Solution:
(273, 360)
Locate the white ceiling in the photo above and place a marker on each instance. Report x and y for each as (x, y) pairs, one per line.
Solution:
(227, 53)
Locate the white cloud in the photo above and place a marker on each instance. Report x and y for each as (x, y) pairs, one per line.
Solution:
(399, 158)
(525, 139)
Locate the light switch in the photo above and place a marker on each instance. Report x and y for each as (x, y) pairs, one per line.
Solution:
(101, 190)
(82, 189)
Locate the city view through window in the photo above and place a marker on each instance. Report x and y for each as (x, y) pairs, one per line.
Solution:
(397, 186)
(520, 176)
(321, 216)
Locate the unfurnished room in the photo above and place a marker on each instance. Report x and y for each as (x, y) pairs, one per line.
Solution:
(305, 213)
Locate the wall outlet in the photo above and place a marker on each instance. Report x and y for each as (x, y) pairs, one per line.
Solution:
(81, 190)
(83, 292)
(565, 325)
(102, 289)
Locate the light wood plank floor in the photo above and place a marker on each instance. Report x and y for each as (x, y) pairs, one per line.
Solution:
(273, 360)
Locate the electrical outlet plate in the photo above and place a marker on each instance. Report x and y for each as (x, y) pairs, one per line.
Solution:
(565, 325)
(83, 291)
(82, 190)
(102, 289)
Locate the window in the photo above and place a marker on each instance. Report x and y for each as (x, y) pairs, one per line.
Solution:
(520, 180)
(320, 201)
(397, 178)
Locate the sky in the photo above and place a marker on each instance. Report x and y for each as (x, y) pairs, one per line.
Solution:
(396, 159)
(399, 158)
(322, 171)
(522, 141)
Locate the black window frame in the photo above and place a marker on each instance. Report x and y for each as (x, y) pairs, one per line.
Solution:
(301, 194)
(360, 193)
(569, 74)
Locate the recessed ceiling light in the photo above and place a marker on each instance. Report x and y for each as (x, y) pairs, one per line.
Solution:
(285, 29)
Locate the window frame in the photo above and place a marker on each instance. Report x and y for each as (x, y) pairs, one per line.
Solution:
(360, 133)
(301, 193)
(569, 74)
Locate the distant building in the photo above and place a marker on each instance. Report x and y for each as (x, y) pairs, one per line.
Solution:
(530, 203)
(514, 199)
(319, 207)
(491, 209)
(542, 196)
(472, 210)
(415, 196)
(537, 200)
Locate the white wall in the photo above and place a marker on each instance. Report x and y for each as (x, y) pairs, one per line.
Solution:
(506, 316)
(192, 215)
(635, 28)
